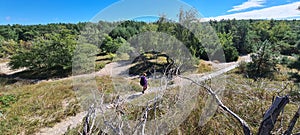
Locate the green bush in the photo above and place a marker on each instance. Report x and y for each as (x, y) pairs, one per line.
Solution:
(84, 59)
(111, 45)
(52, 52)
(285, 60)
(99, 66)
(6, 100)
(264, 60)
(231, 53)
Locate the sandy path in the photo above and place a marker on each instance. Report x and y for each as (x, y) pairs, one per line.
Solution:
(111, 69)
(5, 69)
(121, 69)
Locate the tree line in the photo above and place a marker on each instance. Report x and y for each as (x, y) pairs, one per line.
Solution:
(51, 46)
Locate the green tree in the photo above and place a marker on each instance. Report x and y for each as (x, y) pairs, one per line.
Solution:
(111, 45)
(296, 64)
(231, 53)
(264, 60)
(8, 48)
(51, 52)
(2, 53)
(84, 58)
(240, 36)
(262, 29)
(8, 33)
(282, 35)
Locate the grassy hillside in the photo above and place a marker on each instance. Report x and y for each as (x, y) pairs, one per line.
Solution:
(25, 108)
(249, 100)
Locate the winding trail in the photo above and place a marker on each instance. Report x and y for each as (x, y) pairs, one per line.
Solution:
(121, 69)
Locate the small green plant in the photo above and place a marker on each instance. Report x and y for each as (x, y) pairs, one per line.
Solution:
(112, 55)
(6, 100)
(99, 66)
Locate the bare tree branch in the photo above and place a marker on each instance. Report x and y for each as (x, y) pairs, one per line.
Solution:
(292, 123)
(112, 127)
(145, 116)
(87, 128)
(283, 87)
(245, 126)
(145, 119)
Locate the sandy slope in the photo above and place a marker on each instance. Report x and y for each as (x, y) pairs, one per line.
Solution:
(121, 69)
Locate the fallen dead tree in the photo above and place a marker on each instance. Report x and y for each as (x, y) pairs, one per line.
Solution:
(244, 124)
(266, 126)
(269, 119)
(271, 115)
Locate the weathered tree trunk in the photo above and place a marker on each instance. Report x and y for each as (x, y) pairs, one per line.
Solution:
(271, 115)
(292, 123)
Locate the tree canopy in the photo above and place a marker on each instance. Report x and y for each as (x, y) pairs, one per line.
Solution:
(51, 46)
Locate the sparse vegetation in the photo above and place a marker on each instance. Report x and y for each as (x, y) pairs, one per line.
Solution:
(248, 99)
(204, 67)
(48, 51)
(25, 108)
(264, 61)
(36, 106)
(150, 62)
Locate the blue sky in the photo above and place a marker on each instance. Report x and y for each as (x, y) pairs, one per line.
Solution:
(73, 11)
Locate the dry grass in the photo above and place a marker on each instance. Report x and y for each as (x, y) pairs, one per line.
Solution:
(102, 60)
(159, 60)
(245, 97)
(3, 60)
(204, 67)
(249, 99)
(37, 106)
(34, 106)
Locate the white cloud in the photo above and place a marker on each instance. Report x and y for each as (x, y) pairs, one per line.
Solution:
(248, 4)
(288, 11)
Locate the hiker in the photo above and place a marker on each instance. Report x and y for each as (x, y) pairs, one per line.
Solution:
(143, 82)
